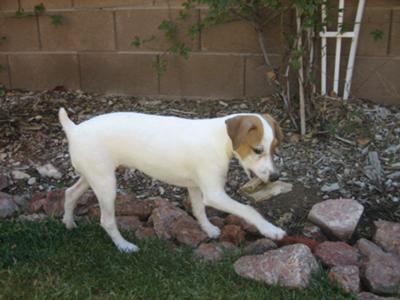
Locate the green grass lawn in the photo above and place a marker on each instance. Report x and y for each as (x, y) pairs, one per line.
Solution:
(45, 261)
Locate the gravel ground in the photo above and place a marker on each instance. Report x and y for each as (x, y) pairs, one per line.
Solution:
(352, 150)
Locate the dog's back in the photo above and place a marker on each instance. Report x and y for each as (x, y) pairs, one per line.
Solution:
(149, 143)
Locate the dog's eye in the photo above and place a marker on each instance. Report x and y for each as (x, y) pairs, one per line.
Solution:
(258, 150)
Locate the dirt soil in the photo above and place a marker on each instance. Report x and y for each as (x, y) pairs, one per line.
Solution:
(334, 160)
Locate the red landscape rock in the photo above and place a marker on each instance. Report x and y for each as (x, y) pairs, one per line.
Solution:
(217, 221)
(208, 252)
(290, 266)
(129, 205)
(235, 220)
(259, 246)
(347, 276)
(337, 217)
(54, 205)
(172, 222)
(388, 236)
(145, 232)
(337, 254)
(128, 222)
(290, 240)
(313, 232)
(233, 234)
(380, 270)
(370, 296)
(37, 202)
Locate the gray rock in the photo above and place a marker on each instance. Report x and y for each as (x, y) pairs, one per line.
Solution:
(368, 248)
(3, 182)
(7, 205)
(347, 276)
(327, 188)
(337, 217)
(48, 170)
(387, 236)
(32, 217)
(290, 266)
(18, 175)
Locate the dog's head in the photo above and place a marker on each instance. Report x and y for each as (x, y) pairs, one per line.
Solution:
(254, 141)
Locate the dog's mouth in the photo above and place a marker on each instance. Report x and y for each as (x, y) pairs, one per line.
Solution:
(254, 175)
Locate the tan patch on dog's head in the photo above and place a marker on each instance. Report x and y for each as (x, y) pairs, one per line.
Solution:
(278, 133)
(245, 132)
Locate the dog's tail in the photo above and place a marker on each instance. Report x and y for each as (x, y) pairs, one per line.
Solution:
(66, 123)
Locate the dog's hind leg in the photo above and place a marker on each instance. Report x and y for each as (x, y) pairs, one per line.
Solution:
(72, 195)
(104, 186)
(199, 211)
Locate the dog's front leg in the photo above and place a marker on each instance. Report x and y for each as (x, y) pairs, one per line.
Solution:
(217, 198)
(199, 211)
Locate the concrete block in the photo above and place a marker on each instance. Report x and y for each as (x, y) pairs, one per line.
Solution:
(21, 33)
(119, 73)
(81, 30)
(204, 75)
(39, 71)
(144, 23)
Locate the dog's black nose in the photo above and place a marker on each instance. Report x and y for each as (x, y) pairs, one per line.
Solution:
(274, 176)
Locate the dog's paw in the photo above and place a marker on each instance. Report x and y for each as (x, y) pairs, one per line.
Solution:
(212, 231)
(127, 247)
(70, 224)
(274, 233)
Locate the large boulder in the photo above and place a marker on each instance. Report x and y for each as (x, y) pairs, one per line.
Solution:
(337, 217)
(290, 266)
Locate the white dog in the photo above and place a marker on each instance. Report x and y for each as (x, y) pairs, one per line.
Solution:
(189, 153)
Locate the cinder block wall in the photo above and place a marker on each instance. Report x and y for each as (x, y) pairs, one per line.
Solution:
(91, 51)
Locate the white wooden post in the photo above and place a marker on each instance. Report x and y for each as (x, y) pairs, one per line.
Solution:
(339, 34)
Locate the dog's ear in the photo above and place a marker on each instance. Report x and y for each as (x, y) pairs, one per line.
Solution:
(278, 133)
(244, 130)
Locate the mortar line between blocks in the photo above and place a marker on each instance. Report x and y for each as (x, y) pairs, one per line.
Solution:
(78, 58)
(9, 71)
(115, 35)
(39, 33)
(389, 43)
(158, 75)
(244, 75)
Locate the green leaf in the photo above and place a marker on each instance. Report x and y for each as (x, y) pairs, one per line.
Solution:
(295, 63)
(377, 34)
(137, 42)
(38, 9)
(56, 20)
(3, 39)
